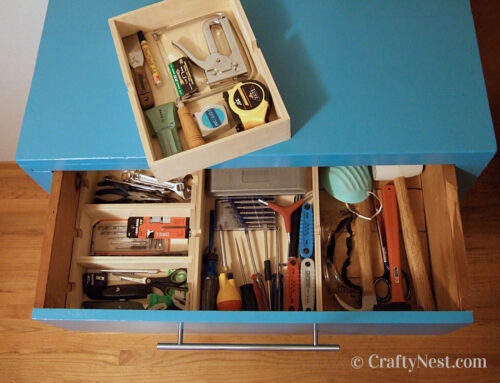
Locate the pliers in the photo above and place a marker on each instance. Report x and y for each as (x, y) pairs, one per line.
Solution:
(118, 192)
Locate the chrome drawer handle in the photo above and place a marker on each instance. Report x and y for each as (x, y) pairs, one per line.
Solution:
(246, 347)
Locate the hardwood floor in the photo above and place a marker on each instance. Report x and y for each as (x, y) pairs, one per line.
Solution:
(33, 352)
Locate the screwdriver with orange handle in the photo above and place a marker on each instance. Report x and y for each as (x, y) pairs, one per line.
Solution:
(228, 296)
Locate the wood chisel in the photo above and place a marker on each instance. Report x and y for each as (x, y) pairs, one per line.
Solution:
(136, 62)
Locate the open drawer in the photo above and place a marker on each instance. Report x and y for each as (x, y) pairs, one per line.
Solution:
(65, 257)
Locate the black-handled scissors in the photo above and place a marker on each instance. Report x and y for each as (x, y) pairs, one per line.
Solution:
(386, 279)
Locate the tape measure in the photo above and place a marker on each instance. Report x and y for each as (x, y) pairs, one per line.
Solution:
(211, 118)
(249, 102)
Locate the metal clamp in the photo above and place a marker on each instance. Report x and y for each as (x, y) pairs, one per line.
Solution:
(246, 347)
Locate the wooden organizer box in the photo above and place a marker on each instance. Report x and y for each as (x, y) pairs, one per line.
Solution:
(183, 20)
(69, 264)
(65, 254)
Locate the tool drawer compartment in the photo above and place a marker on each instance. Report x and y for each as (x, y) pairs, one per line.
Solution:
(67, 257)
(199, 86)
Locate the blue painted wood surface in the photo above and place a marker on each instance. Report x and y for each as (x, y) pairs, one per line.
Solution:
(330, 322)
(365, 82)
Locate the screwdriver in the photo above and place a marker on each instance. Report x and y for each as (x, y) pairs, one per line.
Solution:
(247, 293)
(208, 292)
(258, 283)
(277, 286)
(228, 297)
(267, 265)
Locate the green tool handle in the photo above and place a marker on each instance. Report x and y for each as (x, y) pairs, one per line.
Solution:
(169, 141)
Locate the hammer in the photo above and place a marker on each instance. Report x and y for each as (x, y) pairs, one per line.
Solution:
(362, 232)
(413, 246)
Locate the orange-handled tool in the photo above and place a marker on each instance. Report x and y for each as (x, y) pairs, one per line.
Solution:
(285, 211)
(190, 129)
(291, 300)
(228, 297)
(391, 223)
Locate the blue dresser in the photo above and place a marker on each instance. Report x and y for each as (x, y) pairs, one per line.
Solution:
(364, 82)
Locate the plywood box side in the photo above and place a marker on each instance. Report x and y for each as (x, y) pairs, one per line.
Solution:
(168, 13)
(445, 240)
(246, 29)
(264, 71)
(317, 239)
(122, 55)
(58, 241)
(140, 120)
(219, 151)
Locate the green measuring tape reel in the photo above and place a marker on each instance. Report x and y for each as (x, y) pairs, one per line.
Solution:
(249, 103)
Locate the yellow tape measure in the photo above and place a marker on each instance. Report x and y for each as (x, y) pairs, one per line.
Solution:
(249, 103)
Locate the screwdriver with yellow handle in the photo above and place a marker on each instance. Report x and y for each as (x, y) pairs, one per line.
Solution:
(228, 297)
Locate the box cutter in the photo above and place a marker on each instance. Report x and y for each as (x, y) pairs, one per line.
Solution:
(95, 285)
(217, 66)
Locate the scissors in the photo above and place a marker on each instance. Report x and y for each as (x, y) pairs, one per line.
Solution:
(95, 285)
(383, 283)
(176, 280)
